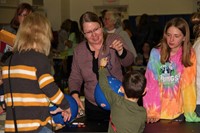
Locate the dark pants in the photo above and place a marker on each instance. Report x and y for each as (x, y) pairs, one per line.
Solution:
(198, 110)
(69, 65)
(96, 113)
(180, 118)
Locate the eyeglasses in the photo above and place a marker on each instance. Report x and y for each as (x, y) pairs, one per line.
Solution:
(22, 15)
(96, 30)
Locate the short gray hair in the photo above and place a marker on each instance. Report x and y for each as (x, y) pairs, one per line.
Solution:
(116, 17)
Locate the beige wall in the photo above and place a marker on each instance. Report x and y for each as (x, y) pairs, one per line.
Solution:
(161, 7)
(53, 10)
(65, 9)
(137, 7)
(6, 14)
(58, 10)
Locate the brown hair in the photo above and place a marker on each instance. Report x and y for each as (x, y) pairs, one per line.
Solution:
(182, 25)
(195, 20)
(34, 33)
(89, 17)
(115, 16)
(66, 25)
(15, 21)
(134, 84)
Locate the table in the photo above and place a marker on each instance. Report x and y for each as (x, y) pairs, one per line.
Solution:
(166, 126)
(90, 127)
(163, 126)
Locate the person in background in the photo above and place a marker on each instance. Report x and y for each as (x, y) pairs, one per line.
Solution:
(102, 16)
(60, 64)
(86, 57)
(195, 20)
(155, 30)
(28, 84)
(142, 32)
(75, 37)
(143, 58)
(126, 115)
(171, 76)
(21, 12)
(127, 27)
(63, 35)
(113, 24)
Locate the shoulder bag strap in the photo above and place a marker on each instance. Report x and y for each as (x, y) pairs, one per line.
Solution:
(10, 87)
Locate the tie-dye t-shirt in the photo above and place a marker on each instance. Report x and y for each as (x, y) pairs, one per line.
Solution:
(170, 89)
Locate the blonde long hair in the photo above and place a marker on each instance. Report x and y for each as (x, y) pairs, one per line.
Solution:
(34, 33)
(182, 25)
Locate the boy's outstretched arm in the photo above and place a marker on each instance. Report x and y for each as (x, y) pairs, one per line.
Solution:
(103, 81)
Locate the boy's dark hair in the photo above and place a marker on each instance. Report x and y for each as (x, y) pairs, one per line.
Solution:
(134, 83)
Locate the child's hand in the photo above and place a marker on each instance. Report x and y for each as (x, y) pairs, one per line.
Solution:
(103, 62)
(152, 120)
(66, 114)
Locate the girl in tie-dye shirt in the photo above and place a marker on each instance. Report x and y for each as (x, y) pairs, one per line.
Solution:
(171, 71)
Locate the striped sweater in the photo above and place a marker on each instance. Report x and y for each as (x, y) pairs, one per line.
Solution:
(33, 88)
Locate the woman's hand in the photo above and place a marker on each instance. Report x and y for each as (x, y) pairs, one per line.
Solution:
(118, 46)
(79, 102)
